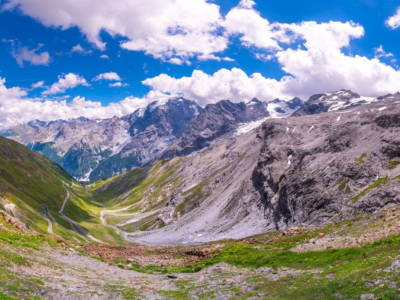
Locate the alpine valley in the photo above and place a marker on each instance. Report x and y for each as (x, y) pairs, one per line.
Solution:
(258, 200)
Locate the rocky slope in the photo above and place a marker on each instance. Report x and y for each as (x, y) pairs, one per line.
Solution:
(221, 119)
(306, 170)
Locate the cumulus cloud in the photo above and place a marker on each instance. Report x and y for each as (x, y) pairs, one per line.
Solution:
(117, 84)
(312, 55)
(394, 21)
(110, 76)
(318, 66)
(24, 54)
(380, 52)
(233, 84)
(79, 49)
(161, 28)
(247, 3)
(253, 29)
(14, 102)
(65, 82)
(38, 84)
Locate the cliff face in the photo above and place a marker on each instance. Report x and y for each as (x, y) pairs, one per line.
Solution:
(329, 167)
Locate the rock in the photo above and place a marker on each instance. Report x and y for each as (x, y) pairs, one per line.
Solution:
(367, 297)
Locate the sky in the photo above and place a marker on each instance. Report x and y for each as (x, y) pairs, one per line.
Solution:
(62, 59)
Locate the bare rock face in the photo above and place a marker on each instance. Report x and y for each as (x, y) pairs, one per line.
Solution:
(318, 169)
(215, 121)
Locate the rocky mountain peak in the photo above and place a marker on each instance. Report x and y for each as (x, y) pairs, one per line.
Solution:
(333, 101)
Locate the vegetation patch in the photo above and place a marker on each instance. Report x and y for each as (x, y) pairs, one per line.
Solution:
(192, 197)
(344, 186)
(361, 159)
(393, 164)
(125, 292)
(377, 184)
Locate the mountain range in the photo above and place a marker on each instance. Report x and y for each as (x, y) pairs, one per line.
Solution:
(91, 150)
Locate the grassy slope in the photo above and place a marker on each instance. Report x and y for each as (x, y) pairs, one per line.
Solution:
(29, 180)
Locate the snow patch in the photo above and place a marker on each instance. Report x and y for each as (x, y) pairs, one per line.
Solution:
(247, 127)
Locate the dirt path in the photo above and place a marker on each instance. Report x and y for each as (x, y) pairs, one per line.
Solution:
(49, 226)
(65, 201)
(75, 226)
(117, 212)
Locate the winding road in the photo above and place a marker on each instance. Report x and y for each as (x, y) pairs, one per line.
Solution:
(75, 226)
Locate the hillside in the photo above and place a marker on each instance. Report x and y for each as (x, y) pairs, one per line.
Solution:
(41, 196)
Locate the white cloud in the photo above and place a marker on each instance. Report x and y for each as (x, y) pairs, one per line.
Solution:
(38, 84)
(79, 49)
(253, 29)
(205, 57)
(68, 81)
(104, 56)
(110, 76)
(233, 84)
(117, 84)
(14, 103)
(319, 65)
(324, 36)
(34, 57)
(315, 64)
(381, 53)
(247, 3)
(176, 61)
(161, 28)
(394, 21)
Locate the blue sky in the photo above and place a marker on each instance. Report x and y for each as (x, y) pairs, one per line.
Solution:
(203, 50)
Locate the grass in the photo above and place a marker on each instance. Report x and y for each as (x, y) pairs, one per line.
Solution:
(361, 159)
(125, 292)
(377, 184)
(182, 293)
(393, 164)
(344, 186)
(192, 196)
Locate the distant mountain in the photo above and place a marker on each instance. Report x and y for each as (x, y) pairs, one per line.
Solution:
(225, 117)
(335, 101)
(97, 149)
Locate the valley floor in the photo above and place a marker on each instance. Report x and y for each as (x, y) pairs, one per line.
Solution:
(357, 259)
